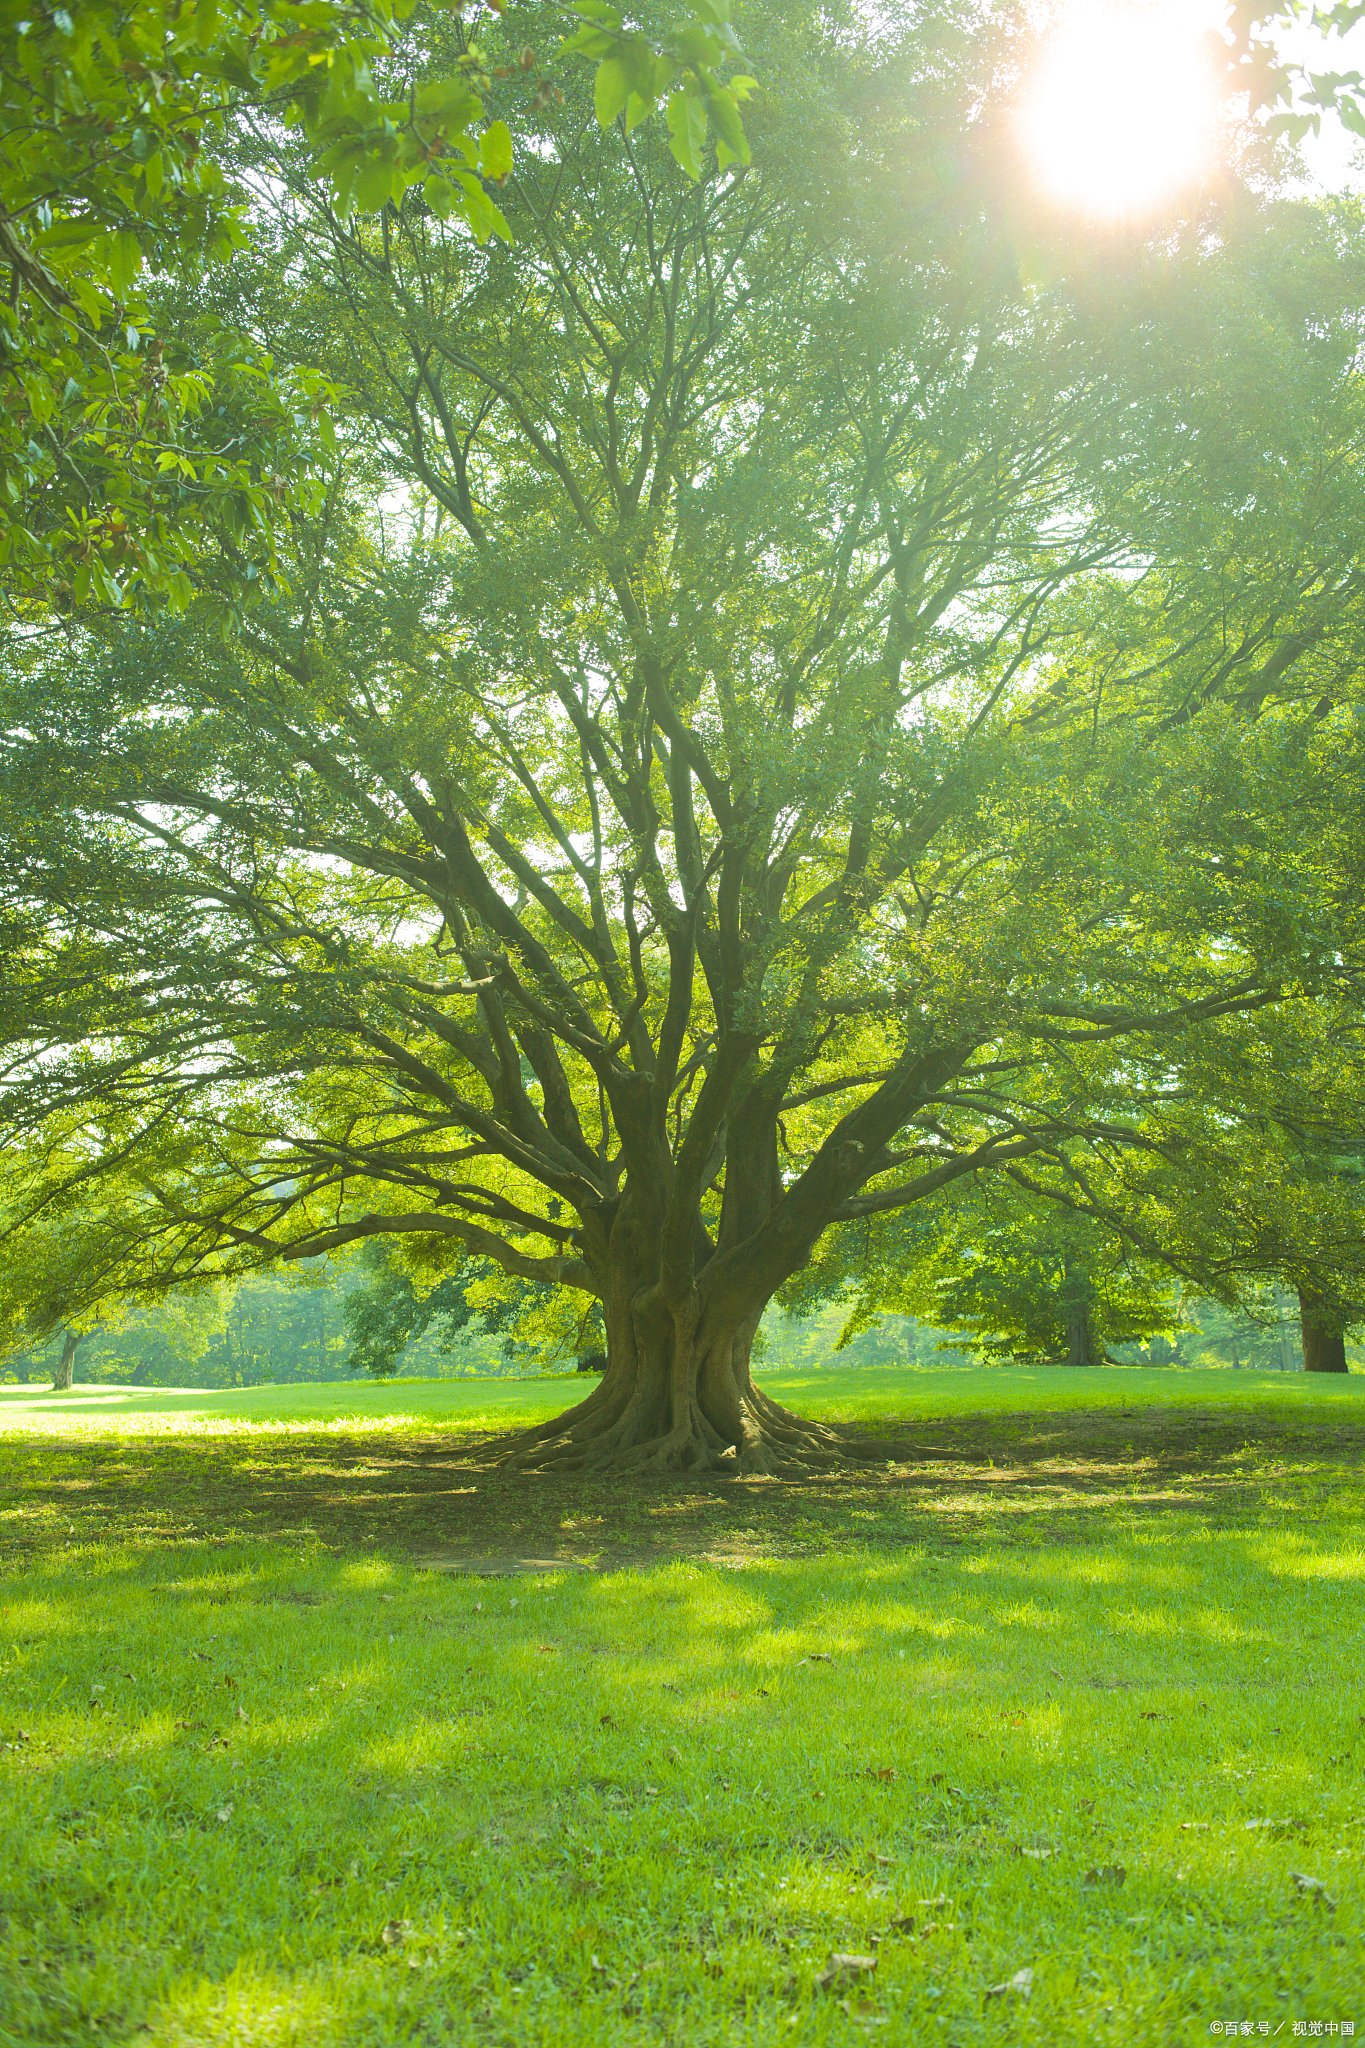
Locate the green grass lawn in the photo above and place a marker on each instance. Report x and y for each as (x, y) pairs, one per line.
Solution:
(1074, 1695)
(863, 1394)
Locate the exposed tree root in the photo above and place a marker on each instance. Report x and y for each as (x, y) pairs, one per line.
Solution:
(617, 1432)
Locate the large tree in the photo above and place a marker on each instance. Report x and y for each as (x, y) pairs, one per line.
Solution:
(812, 687)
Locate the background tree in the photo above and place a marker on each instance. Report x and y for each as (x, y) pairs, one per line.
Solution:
(1024, 1279)
(402, 1300)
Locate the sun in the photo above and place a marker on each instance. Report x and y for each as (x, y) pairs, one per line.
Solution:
(1119, 115)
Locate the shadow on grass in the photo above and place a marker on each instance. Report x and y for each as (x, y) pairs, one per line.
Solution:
(259, 1793)
(1024, 1478)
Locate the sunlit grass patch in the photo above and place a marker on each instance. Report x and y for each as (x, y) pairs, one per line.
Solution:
(257, 1793)
(865, 1394)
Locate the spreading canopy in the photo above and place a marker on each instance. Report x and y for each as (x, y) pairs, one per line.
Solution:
(804, 721)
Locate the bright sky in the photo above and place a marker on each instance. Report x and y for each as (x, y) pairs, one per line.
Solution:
(1331, 156)
(1121, 113)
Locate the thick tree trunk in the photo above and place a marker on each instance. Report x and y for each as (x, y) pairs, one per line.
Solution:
(1080, 1338)
(1076, 1297)
(61, 1378)
(1324, 1342)
(677, 1396)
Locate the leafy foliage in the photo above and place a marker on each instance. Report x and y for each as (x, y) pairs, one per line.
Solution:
(820, 712)
(387, 1314)
(130, 456)
(1023, 1279)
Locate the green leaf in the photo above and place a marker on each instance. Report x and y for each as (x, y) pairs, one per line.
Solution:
(588, 42)
(611, 90)
(125, 261)
(449, 101)
(686, 118)
(374, 183)
(440, 196)
(484, 217)
(733, 143)
(495, 150)
(92, 301)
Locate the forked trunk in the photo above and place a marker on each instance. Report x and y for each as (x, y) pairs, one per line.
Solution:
(61, 1378)
(677, 1396)
(1324, 1340)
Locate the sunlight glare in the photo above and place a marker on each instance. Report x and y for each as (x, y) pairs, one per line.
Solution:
(1119, 116)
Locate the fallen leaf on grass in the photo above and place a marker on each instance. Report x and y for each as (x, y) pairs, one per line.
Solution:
(862, 2011)
(815, 1657)
(842, 1969)
(225, 1814)
(606, 1720)
(1154, 1717)
(1037, 1855)
(1312, 1888)
(393, 1931)
(1020, 1985)
(202, 1655)
(1054, 1674)
(1112, 1873)
(886, 1775)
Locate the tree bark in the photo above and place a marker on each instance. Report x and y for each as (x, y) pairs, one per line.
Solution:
(673, 1402)
(1324, 1340)
(1080, 1342)
(61, 1378)
(677, 1394)
(1080, 1337)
